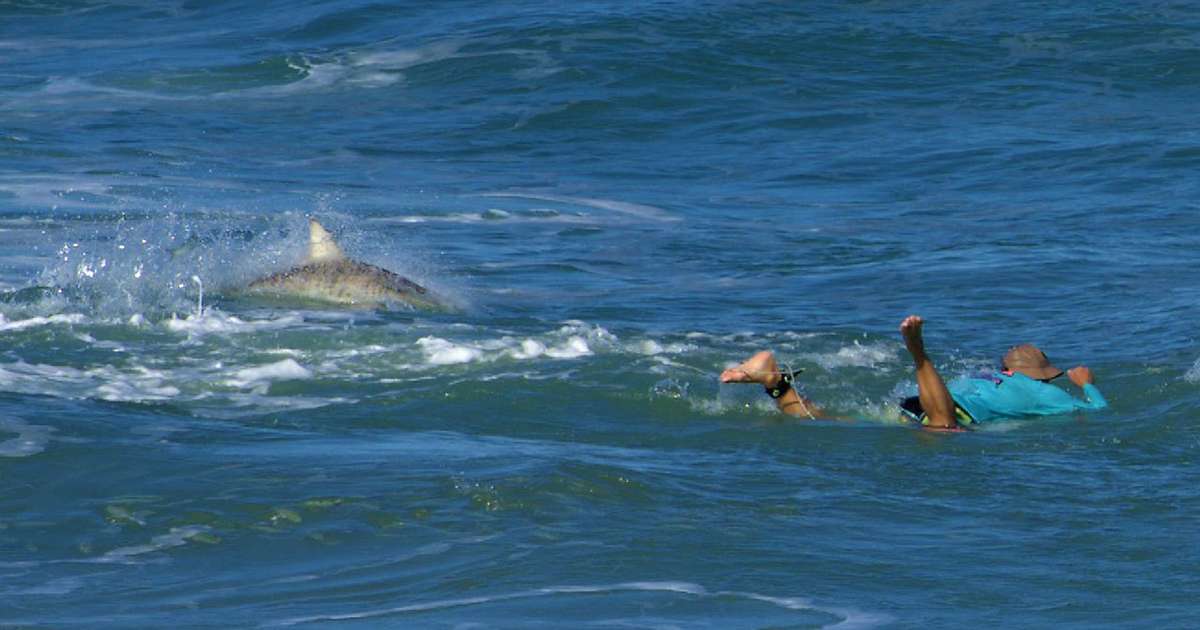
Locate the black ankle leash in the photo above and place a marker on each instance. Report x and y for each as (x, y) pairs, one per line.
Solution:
(784, 385)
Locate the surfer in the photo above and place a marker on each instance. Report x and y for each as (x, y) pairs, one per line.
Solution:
(1021, 388)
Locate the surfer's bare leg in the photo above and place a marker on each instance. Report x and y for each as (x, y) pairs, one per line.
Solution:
(931, 389)
(762, 369)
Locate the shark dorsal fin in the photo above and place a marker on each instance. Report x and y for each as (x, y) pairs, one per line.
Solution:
(321, 246)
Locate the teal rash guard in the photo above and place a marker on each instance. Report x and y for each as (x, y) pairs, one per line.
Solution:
(1003, 395)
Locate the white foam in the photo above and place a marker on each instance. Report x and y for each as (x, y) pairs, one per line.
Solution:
(649, 347)
(1193, 374)
(573, 348)
(136, 390)
(573, 340)
(214, 321)
(21, 324)
(594, 334)
(142, 384)
(105, 382)
(439, 351)
(134, 383)
(530, 349)
(285, 370)
(219, 378)
(857, 355)
(31, 438)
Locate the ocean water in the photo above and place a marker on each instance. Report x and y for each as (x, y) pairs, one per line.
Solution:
(620, 199)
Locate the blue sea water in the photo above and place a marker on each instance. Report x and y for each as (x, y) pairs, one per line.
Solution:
(621, 199)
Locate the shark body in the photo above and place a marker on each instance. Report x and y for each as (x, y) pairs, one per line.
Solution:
(327, 275)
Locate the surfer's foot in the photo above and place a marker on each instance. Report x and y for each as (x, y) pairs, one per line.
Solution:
(910, 329)
(760, 368)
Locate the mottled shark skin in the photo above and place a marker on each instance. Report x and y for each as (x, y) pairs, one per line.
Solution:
(327, 275)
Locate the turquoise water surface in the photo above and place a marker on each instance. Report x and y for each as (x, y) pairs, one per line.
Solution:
(619, 200)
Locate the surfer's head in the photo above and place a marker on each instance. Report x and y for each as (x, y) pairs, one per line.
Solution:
(1027, 359)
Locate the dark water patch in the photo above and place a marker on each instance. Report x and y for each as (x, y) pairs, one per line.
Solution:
(326, 27)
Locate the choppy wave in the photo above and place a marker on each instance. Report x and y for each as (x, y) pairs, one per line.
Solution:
(241, 361)
(627, 197)
(849, 618)
(177, 537)
(279, 76)
(641, 211)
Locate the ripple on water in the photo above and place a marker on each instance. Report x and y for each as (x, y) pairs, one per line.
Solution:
(31, 439)
(628, 604)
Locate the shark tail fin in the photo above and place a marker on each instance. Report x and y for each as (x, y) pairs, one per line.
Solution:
(321, 246)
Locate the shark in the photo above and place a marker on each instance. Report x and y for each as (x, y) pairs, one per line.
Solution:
(327, 275)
